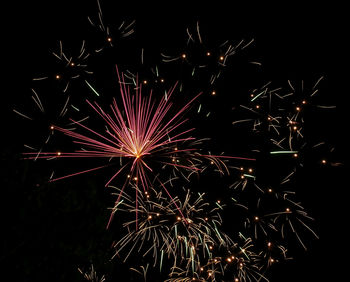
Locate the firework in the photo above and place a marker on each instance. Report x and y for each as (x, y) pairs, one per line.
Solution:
(145, 132)
(184, 212)
(203, 60)
(193, 247)
(91, 275)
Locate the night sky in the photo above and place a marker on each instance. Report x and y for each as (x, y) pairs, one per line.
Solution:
(51, 229)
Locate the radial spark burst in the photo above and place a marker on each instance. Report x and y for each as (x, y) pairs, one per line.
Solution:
(140, 132)
(234, 222)
(194, 248)
(163, 232)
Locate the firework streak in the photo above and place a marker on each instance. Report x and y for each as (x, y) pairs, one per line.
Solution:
(153, 163)
(144, 133)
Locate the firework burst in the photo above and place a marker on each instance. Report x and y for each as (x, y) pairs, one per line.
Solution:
(165, 231)
(139, 132)
(169, 220)
(194, 248)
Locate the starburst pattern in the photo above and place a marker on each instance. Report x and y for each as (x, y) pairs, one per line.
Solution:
(139, 131)
(182, 211)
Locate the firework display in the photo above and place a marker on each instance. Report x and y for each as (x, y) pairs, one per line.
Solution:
(195, 171)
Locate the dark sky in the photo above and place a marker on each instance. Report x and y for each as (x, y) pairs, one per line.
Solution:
(51, 230)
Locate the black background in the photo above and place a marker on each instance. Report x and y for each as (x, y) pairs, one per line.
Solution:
(49, 232)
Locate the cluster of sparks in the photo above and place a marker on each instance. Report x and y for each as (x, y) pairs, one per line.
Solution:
(146, 131)
(194, 246)
(147, 141)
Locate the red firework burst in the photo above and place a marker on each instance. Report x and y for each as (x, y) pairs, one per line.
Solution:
(139, 131)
